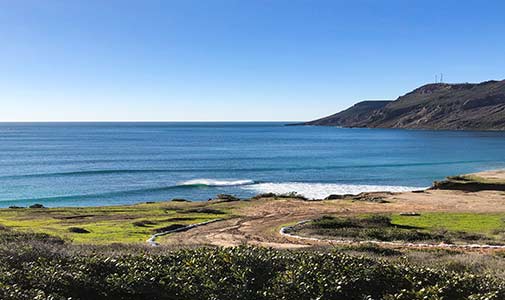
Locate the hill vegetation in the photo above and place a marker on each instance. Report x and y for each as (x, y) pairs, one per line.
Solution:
(34, 266)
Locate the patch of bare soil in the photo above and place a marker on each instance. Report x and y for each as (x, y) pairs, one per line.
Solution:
(259, 222)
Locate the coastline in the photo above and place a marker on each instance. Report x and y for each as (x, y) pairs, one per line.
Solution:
(254, 221)
(158, 164)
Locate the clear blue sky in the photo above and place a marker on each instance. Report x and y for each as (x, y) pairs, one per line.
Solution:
(234, 60)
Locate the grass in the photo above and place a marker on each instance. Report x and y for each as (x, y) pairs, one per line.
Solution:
(112, 224)
(488, 223)
(428, 227)
(476, 179)
(471, 183)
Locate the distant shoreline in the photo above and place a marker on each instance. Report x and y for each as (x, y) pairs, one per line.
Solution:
(480, 181)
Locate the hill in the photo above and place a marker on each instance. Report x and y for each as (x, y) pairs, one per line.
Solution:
(464, 106)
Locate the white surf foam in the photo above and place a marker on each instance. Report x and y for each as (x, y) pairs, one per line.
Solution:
(323, 190)
(213, 182)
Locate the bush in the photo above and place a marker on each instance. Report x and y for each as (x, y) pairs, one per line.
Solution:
(143, 223)
(227, 198)
(291, 195)
(264, 195)
(77, 230)
(33, 270)
(379, 227)
(15, 207)
(204, 210)
(169, 228)
(36, 205)
(180, 200)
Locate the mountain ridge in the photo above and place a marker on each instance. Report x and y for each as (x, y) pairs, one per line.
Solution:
(444, 106)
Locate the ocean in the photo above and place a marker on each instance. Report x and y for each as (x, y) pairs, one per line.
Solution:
(88, 164)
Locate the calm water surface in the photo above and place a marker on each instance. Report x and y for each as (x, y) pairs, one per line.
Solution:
(73, 164)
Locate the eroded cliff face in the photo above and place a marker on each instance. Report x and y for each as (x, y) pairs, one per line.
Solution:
(433, 106)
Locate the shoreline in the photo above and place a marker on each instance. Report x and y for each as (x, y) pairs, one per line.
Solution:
(255, 221)
(493, 179)
(469, 182)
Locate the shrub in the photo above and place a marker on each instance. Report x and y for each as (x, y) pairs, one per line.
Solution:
(179, 200)
(36, 205)
(15, 207)
(77, 230)
(379, 227)
(143, 223)
(204, 210)
(169, 228)
(227, 198)
(38, 270)
(264, 195)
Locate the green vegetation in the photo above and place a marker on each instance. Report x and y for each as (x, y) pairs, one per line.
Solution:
(476, 179)
(114, 224)
(290, 195)
(490, 224)
(36, 266)
(428, 227)
(471, 183)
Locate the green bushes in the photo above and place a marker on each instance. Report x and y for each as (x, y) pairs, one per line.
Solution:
(381, 228)
(77, 230)
(30, 268)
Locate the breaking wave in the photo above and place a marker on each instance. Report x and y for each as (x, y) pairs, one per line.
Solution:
(322, 190)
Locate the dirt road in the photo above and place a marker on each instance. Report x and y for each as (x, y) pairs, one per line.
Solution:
(259, 222)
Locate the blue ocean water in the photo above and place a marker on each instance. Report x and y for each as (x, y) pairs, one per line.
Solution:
(81, 164)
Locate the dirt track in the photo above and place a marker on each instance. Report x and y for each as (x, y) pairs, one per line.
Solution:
(259, 222)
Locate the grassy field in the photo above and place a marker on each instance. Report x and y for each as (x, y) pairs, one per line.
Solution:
(113, 224)
(459, 228)
(491, 224)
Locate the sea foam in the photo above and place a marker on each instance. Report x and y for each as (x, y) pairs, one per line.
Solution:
(322, 190)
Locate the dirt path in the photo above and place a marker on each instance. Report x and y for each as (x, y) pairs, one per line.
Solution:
(259, 223)
(152, 240)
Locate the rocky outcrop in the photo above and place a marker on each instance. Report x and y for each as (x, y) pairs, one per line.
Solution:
(433, 106)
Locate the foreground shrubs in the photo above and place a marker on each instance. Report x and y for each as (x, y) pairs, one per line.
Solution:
(62, 271)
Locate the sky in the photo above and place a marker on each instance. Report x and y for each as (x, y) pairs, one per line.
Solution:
(224, 60)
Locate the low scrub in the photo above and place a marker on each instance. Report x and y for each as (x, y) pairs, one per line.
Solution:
(78, 230)
(144, 223)
(381, 228)
(29, 271)
(290, 195)
(204, 210)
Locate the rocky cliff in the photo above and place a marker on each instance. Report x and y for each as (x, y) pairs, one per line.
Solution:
(433, 106)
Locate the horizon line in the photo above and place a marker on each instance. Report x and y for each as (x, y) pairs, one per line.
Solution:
(165, 121)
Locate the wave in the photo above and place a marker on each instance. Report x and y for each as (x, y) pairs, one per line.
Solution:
(322, 190)
(84, 173)
(213, 182)
(194, 170)
(98, 195)
(195, 183)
